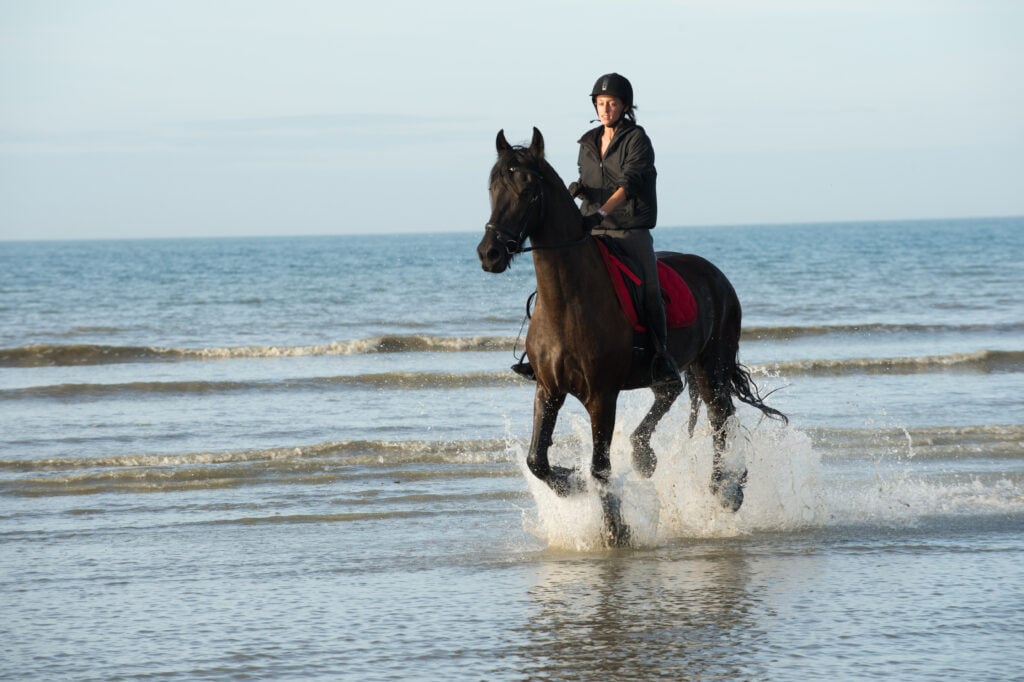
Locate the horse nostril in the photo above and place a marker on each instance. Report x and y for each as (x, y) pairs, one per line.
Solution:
(493, 254)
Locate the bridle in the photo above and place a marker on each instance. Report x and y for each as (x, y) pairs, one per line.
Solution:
(513, 239)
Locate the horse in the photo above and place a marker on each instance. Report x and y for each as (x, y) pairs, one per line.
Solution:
(580, 342)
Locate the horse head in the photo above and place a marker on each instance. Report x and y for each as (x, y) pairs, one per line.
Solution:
(517, 201)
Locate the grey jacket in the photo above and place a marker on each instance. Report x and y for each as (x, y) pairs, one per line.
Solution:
(628, 163)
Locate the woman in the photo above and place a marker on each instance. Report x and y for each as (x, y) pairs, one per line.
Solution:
(617, 185)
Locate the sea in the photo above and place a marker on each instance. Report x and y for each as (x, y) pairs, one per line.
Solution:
(302, 458)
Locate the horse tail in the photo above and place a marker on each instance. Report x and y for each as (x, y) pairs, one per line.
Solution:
(738, 375)
(718, 366)
(744, 388)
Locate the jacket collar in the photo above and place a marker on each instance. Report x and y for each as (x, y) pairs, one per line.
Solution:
(592, 138)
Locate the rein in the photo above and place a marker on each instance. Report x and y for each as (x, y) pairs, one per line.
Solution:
(514, 245)
(563, 245)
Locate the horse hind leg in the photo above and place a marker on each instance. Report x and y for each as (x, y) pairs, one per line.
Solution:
(691, 385)
(726, 483)
(644, 459)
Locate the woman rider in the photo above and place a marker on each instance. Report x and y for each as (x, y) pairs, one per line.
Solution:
(617, 185)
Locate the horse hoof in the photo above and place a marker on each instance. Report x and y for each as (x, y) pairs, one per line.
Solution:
(730, 497)
(644, 460)
(565, 482)
(616, 531)
(728, 489)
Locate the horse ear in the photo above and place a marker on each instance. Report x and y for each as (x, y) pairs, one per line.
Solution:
(537, 144)
(501, 142)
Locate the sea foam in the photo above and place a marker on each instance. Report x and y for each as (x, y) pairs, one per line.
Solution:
(783, 491)
(789, 488)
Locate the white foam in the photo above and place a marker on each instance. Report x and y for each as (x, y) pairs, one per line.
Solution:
(895, 493)
(788, 488)
(783, 490)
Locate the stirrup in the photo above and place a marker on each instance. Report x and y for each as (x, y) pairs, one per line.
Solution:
(524, 369)
(664, 371)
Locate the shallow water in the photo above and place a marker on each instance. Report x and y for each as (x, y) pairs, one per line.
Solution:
(246, 459)
(424, 571)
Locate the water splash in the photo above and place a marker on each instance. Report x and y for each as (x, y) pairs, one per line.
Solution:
(878, 480)
(783, 490)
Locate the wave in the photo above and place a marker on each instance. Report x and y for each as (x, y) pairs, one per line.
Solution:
(318, 464)
(410, 461)
(992, 441)
(983, 362)
(979, 362)
(359, 452)
(383, 380)
(57, 355)
(782, 333)
(63, 355)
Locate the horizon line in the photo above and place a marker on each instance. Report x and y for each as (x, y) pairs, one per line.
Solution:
(400, 232)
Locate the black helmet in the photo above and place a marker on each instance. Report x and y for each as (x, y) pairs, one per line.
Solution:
(615, 85)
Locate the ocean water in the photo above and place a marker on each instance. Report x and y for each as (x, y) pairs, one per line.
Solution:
(303, 458)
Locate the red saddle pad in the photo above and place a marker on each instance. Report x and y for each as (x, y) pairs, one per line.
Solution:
(680, 305)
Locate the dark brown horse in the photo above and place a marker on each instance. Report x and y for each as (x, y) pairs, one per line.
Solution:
(580, 342)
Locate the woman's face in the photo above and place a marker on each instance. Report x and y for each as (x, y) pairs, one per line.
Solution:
(609, 109)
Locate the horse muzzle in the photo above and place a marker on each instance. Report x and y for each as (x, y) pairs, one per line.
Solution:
(493, 252)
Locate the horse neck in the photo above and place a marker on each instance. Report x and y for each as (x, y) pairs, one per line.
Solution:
(560, 222)
(565, 262)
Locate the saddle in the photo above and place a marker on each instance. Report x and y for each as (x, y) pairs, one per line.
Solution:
(680, 305)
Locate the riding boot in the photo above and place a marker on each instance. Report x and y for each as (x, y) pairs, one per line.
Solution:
(663, 369)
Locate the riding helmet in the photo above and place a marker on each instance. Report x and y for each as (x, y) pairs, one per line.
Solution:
(615, 85)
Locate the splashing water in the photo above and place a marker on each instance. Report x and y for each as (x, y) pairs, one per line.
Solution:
(782, 492)
(787, 487)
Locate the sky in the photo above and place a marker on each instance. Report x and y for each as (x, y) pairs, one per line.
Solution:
(190, 118)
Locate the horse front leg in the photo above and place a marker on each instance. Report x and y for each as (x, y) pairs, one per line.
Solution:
(602, 427)
(545, 413)
(644, 459)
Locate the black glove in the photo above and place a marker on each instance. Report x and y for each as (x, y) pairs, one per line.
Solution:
(592, 221)
(575, 189)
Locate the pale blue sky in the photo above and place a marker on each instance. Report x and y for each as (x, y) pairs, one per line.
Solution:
(166, 118)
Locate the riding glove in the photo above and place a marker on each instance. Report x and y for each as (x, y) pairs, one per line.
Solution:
(592, 221)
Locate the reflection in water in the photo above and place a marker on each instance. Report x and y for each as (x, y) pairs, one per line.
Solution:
(642, 616)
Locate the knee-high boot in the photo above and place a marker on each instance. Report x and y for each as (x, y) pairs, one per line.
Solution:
(663, 369)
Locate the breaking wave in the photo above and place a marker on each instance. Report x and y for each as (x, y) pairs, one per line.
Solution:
(980, 362)
(142, 389)
(53, 355)
(46, 355)
(797, 332)
(321, 463)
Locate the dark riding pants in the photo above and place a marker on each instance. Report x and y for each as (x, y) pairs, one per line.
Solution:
(639, 245)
